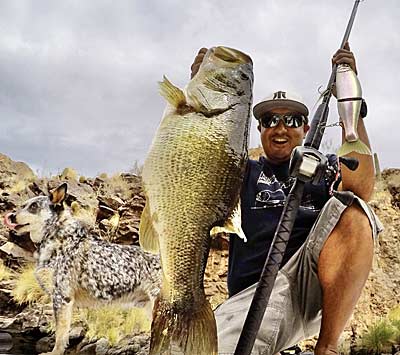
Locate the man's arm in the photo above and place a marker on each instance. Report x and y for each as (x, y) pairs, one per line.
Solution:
(362, 180)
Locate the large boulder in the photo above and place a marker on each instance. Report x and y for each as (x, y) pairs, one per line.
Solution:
(14, 176)
(382, 291)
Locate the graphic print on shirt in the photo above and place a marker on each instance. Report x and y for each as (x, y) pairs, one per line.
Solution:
(269, 192)
(272, 193)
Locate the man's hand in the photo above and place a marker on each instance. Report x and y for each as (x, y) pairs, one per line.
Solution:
(345, 56)
(197, 61)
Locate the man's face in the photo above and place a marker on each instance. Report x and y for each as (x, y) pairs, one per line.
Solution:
(279, 141)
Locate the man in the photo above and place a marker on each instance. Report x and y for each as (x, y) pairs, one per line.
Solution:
(330, 251)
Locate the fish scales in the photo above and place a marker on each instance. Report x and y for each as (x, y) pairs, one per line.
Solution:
(192, 177)
(207, 174)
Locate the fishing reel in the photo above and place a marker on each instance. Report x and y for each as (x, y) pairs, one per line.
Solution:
(310, 165)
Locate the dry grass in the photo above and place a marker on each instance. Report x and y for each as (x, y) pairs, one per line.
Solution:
(111, 322)
(394, 314)
(394, 317)
(26, 288)
(120, 186)
(379, 337)
(114, 323)
(19, 186)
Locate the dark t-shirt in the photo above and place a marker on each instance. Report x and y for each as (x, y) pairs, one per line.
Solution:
(264, 190)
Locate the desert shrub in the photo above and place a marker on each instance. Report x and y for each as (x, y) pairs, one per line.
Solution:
(26, 288)
(394, 314)
(378, 338)
(396, 325)
(394, 318)
(114, 323)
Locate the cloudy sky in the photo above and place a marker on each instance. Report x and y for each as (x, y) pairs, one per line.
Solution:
(78, 79)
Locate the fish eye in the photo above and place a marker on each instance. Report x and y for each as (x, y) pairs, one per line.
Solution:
(33, 207)
(244, 76)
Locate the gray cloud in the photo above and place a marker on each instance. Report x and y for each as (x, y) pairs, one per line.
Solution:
(79, 79)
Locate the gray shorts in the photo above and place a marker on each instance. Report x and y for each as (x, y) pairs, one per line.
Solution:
(294, 310)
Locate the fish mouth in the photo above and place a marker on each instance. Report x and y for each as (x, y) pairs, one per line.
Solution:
(10, 224)
(231, 55)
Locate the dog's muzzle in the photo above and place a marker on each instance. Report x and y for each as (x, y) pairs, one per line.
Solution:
(10, 221)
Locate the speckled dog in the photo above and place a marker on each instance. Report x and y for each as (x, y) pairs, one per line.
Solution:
(86, 270)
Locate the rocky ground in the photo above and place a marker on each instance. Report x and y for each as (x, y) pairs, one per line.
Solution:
(115, 205)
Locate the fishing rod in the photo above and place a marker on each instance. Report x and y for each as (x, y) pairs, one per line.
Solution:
(307, 164)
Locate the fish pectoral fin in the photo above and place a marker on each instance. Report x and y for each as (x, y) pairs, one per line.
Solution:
(148, 237)
(233, 225)
(172, 94)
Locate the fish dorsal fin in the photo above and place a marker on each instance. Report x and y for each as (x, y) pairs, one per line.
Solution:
(172, 94)
(148, 237)
(232, 225)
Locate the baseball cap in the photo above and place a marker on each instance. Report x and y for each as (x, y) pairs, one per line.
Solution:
(280, 99)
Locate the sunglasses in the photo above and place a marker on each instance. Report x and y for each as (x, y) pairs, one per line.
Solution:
(290, 120)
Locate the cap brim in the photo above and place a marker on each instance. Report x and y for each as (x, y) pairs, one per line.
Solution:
(265, 106)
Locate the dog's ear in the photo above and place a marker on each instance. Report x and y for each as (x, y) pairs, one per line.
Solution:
(58, 195)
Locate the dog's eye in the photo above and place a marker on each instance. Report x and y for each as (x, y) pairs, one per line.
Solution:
(33, 208)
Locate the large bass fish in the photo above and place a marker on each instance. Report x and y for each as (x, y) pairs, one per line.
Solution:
(192, 178)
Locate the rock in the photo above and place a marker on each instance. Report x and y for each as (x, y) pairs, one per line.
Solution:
(104, 212)
(112, 202)
(76, 334)
(382, 290)
(89, 349)
(7, 322)
(102, 346)
(17, 252)
(36, 316)
(23, 241)
(14, 176)
(69, 174)
(6, 342)
(45, 344)
(133, 345)
(392, 178)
